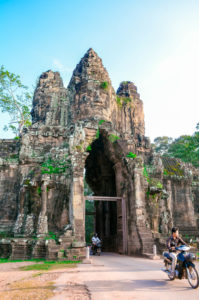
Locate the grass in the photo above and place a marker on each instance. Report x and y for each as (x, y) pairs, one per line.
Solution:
(50, 265)
(7, 260)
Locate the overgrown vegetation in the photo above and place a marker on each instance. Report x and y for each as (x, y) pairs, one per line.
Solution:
(151, 181)
(131, 155)
(186, 147)
(56, 166)
(51, 236)
(122, 101)
(104, 85)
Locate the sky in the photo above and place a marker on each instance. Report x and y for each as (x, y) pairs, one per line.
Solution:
(155, 44)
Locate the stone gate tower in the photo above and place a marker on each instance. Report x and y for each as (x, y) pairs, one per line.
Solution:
(88, 132)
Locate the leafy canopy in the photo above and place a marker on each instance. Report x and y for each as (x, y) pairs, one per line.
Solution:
(186, 147)
(15, 100)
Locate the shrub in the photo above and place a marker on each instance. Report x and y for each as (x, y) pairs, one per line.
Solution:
(104, 85)
(131, 155)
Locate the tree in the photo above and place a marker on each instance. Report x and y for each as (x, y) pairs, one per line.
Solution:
(161, 144)
(15, 100)
(186, 147)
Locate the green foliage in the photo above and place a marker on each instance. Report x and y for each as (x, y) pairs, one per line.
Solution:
(113, 138)
(119, 101)
(17, 138)
(89, 148)
(122, 100)
(126, 99)
(104, 85)
(51, 236)
(79, 147)
(55, 166)
(14, 100)
(39, 190)
(165, 172)
(146, 175)
(101, 122)
(161, 144)
(125, 82)
(186, 147)
(159, 185)
(27, 181)
(48, 265)
(131, 155)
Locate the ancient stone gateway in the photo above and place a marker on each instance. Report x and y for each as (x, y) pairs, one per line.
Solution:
(114, 224)
(88, 132)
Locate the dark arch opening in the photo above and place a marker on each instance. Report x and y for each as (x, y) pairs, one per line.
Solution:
(100, 177)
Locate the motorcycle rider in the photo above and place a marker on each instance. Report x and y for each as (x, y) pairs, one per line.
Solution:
(95, 240)
(173, 242)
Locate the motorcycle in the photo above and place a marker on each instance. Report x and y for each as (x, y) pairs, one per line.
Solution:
(185, 268)
(96, 248)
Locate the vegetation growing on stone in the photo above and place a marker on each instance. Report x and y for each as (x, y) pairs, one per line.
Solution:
(125, 82)
(131, 155)
(55, 166)
(122, 101)
(89, 148)
(52, 236)
(113, 138)
(104, 85)
(101, 122)
(39, 190)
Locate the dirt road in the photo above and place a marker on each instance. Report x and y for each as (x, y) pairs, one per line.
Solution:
(112, 276)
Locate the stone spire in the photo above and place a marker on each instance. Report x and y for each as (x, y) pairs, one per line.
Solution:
(90, 89)
(47, 98)
(90, 67)
(128, 89)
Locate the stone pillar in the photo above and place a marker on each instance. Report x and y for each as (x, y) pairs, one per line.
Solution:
(18, 227)
(119, 181)
(78, 206)
(139, 196)
(42, 227)
(107, 219)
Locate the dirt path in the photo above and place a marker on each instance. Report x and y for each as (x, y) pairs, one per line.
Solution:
(121, 277)
(27, 285)
(110, 276)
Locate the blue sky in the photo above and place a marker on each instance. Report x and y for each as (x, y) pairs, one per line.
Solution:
(155, 44)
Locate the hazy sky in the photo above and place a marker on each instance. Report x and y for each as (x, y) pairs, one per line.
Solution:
(155, 44)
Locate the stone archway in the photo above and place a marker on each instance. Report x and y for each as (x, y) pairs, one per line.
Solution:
(100, 175)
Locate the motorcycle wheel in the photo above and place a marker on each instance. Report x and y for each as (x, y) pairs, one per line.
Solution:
(192, 276)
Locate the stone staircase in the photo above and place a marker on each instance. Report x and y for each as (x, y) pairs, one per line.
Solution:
(5, 248)
(5, 227)
(39, 250)
(21, 249)
(146, 239)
